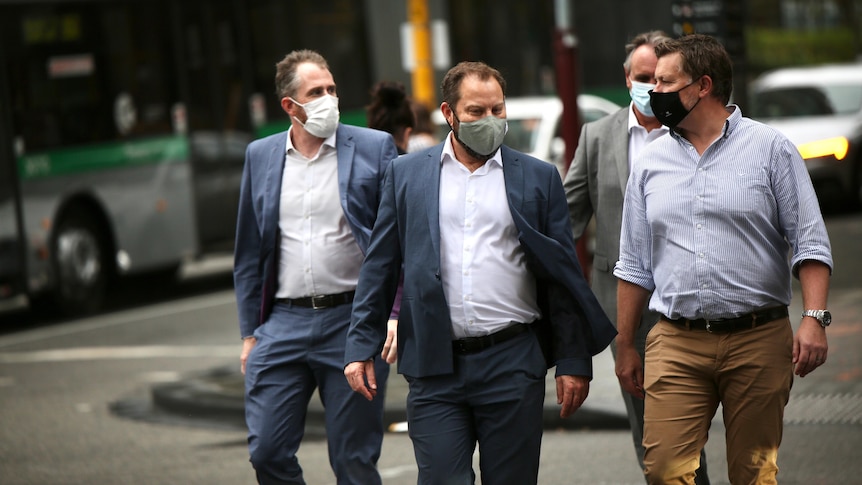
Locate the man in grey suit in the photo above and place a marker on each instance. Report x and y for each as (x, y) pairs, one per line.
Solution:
(595, 185)
(492, 294)
(308, 201)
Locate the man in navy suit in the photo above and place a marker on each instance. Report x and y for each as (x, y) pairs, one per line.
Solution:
(492, 294)
(308, 202)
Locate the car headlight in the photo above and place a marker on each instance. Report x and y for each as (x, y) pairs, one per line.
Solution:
(831, 147)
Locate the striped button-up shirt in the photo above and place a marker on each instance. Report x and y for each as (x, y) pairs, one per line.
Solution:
(711, 234)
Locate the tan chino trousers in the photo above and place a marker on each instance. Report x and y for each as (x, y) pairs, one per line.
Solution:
(688, 373)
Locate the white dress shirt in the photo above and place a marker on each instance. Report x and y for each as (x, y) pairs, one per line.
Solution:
(319, 254)
(484, 272)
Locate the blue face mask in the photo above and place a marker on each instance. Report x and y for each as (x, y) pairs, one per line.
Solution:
(640, 96)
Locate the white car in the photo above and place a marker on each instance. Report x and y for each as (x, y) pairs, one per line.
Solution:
(535, 124)
(820, 110)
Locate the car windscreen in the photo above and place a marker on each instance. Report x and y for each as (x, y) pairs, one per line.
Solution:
(795, 102)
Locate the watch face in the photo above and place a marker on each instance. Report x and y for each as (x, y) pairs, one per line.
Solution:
(827, 318)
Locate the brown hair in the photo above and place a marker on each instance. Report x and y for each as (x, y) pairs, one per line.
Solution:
(452, 81)
(286, 80)
(703, 55)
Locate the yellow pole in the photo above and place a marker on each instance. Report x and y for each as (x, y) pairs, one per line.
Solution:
(422, 76)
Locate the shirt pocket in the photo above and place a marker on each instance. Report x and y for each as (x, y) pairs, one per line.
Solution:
(744, 193)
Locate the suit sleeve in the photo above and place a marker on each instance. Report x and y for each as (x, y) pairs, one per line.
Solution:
(247, 281)
(577, 187)
(378, 281)
(572, 331)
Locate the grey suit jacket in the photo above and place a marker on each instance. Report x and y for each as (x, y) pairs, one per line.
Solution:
(595, 185)
(573, 327)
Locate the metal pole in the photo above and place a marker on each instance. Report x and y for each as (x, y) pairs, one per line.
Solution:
(566, 60)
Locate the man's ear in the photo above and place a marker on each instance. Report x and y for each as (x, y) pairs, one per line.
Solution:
(705, 84)
(448, 113)
(286, 104)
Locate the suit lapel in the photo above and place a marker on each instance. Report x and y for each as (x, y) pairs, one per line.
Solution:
(513, 174)
(271, 200)
(621, 149)
(431, 180)
(345, 147)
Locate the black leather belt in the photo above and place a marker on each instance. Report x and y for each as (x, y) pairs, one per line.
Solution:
(475, 344)
(728, 325)
(320, 301)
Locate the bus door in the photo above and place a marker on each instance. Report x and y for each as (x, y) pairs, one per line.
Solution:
(215, 112)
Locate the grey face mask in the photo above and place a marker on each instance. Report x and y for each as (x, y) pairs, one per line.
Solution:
(483, 136)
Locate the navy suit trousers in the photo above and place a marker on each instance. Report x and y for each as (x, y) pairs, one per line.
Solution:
(299, 350)
(495, 397)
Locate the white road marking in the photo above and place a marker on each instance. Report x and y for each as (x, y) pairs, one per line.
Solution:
(119, 353)
(121, 318)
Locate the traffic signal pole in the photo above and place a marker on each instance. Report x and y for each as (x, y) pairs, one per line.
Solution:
(566, 64)
(422, 76)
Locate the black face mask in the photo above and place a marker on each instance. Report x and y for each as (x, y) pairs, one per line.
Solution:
(668, 107)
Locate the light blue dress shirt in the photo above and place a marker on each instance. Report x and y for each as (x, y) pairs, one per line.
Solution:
(717, 235)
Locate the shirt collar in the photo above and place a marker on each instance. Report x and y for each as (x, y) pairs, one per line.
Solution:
(449, 152)
(329, 141)
(730, 123)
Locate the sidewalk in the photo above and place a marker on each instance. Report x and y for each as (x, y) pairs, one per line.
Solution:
(831, 395)
(218, 395)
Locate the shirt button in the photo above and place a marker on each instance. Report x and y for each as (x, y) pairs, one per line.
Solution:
(700, 254)
(699, 226)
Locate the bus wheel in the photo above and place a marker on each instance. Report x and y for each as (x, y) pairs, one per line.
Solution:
(80, 265)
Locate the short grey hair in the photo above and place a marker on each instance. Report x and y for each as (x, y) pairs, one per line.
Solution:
(651, 38)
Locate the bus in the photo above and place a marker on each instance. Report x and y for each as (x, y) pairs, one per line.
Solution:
(124, 128)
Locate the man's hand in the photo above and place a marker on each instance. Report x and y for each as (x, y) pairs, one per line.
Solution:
(572, 391)
(247, 344)
(629, 370)
(360, 376)
(390, 348)
(809, 347)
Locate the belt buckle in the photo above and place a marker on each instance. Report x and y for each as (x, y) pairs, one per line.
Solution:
(318, 302)
(708, 326)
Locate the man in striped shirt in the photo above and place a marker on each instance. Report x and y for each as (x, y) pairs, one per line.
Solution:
(712, 214)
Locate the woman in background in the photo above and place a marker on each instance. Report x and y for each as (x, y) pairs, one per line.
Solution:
(390, 111)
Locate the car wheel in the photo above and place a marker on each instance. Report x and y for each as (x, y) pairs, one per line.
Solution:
(79, 252)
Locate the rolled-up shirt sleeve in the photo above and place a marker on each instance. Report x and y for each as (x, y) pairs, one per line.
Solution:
(634, 264)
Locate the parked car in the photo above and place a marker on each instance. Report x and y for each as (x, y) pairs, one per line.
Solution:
(535, 124)
(820, 109)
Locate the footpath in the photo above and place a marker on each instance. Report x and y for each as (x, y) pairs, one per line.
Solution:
(831, 395)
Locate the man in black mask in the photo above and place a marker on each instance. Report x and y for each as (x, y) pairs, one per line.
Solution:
(713, 213)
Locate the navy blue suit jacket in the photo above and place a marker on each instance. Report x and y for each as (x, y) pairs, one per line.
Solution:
(363, 155)
(573, 326)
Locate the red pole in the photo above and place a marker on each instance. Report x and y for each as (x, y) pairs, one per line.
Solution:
(566, 63)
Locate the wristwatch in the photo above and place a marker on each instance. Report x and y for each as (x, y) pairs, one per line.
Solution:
(822, 316)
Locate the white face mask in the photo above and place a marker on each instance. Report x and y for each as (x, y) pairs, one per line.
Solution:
(640, 96)
(321, 116)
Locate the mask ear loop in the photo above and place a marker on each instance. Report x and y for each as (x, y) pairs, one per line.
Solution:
(301, 106)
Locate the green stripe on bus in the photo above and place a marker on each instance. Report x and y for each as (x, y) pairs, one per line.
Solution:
(168, 149)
